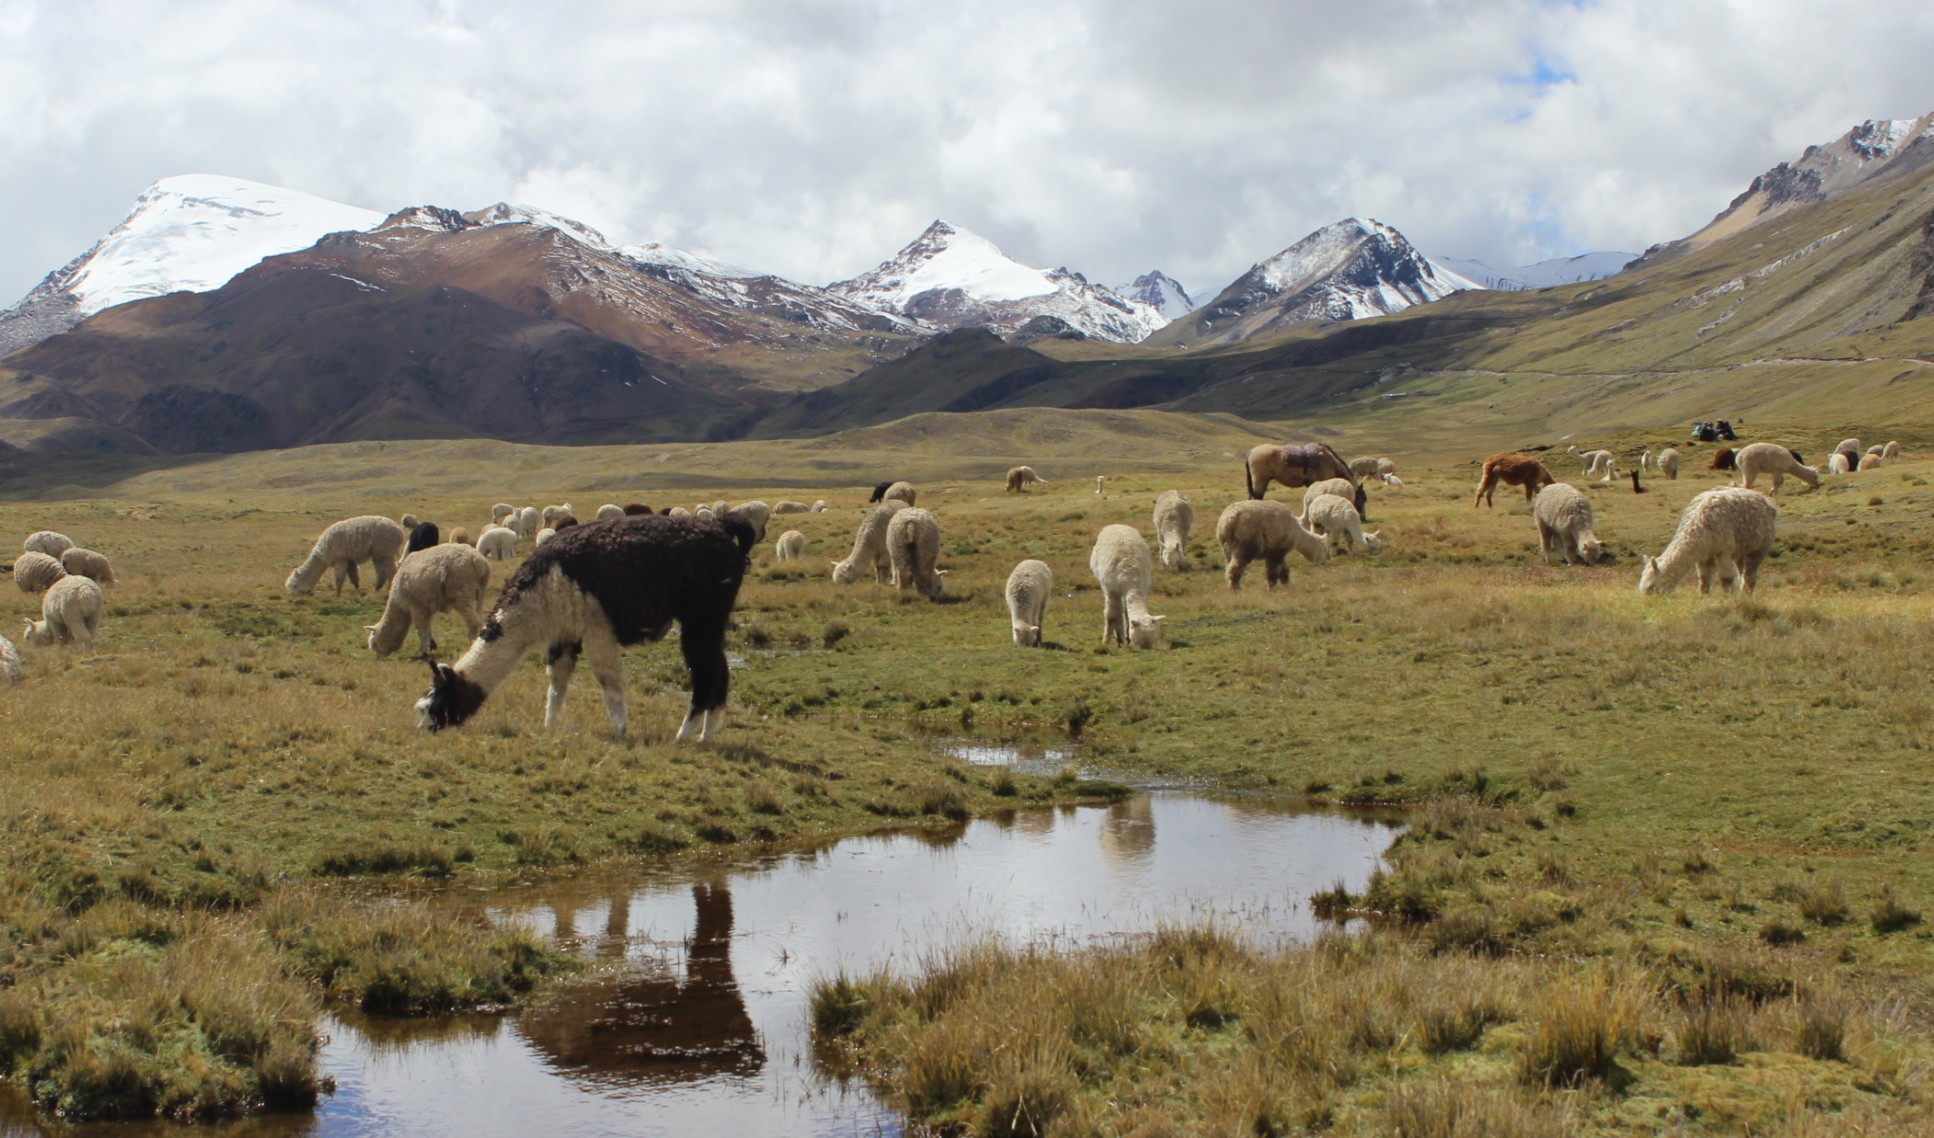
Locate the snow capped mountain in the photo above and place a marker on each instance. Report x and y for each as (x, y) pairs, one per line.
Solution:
(1353, 269)
(192, 232)
(1161, 292)
(1544, 274)
(952, 278)
(1874, 149)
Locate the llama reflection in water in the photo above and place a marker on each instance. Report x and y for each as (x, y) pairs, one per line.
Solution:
(660, 1028)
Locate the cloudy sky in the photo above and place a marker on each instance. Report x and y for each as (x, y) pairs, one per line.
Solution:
(814, 137)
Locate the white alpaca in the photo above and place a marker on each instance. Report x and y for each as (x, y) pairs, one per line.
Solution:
(48, 542)
(900, 492)
(1019, 478)
(1369, 467)
(1890, 451)
(34, 571)
(1266, 530)
(1755, 459)
(819, 506)
(756, 512)
(869, 546)
(1101, 485)
(913, 542)
(498, 543)
(1336, 487)
(1669, 463)
(1724, 533)
(87, 563)
(1564, 518)
(1645, 460)
(9, 662)
(609, 511)
(500, 511)
(1120, 561)
(792, 508)
(545, 535)
(527, 522)
(443, 578)
(552, 514)
(1837, 463)
(678, 512)
(1600, 464)
(1174, 518)
(790, 545)
(371, 537)
(1338, 521)
(70, 611)
(1028, 589)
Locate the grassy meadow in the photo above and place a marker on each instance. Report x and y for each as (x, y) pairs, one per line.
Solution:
(1667, 868)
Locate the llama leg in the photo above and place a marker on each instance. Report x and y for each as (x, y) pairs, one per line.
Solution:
(607, 664)
(1237, 563)
(1706, 574)
(564, 661)
(1113, 619)
(426, 643)
(702, 640)
(1277, 570)
(1749, 570)
(385, 569)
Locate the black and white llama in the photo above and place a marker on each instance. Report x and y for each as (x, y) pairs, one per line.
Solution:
(593, 589)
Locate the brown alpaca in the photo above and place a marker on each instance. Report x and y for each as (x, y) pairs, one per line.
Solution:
(1723, 460)
(1512, 470)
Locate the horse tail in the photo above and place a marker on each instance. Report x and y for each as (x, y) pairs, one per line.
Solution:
(1249, 478)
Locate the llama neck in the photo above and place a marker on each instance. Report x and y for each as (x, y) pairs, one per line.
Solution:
(310, 572)
(390, 630)
(489, 662)
(1675, 562)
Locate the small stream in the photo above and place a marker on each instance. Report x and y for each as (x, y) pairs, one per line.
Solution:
(696, 1023)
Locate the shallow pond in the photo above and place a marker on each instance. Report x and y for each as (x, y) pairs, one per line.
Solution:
(697, 1025)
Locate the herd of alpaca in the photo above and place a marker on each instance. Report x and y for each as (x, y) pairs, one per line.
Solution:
(590, 589)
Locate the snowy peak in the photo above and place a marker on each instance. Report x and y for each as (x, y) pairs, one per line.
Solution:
(952, 278)
(1353, 269)
(1544, 274)
(1161, 292)
(1877, 148)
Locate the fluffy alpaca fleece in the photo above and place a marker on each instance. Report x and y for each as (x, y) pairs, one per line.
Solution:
(1019, 478)
(913, 543)
(500, 511)
(1512, 470)
(1723, 459)
(552, 513)
(1028, 589)
(87, 563)
(1269, 531)
(819, 506)
(9, 662)
(1837, 463)
(459, 536)
(1335, 487)
(1669, 463)
(1339, 523)
(48, 542)
(70, 611)
(446, 578)
(1369, 467)
(1755, 459)
(1891, 451)
(423, 535)
(528, 523)
(900, 491)
(370, 538)
(497, 543)
(790, 545)
(1564, 518)
(1724, 533)
(633, 509)
(1871, 461)
(1121, 563)
(34, 571)
(869, 546)
(608, 511)
(758, 513)
(1174, 518)
(1851, 448)
(1600, 464)
(1101, 485)
(591, 591)
(792, 508)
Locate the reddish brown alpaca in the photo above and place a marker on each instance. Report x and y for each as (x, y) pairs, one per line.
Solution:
(1512, 470)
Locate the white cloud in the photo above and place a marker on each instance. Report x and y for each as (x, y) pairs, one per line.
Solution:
(814, 137)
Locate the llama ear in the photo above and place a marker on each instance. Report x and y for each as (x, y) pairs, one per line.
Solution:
(436, 670)
(371, 627)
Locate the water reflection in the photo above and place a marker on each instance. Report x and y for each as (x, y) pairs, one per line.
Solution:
(664, 1027)
(695, 1024)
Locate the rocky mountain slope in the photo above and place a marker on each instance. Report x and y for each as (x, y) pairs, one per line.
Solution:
(1346, 271)
(952, 278)
(1161, 292)
(1543, 274)
(1877, 148)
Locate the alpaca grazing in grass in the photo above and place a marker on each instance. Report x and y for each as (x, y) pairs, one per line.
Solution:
(1512, 470)
(592, 590)
(1725, 534)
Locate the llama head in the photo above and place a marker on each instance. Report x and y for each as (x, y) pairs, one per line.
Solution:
(1373, 541)
(1145, 631)
(1027, 635)
(372, 629)
(1649, 580)
(297, 586)
(1591, 549)
(451, 699)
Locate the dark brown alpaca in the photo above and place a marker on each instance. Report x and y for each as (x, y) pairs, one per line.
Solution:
(1512, 470)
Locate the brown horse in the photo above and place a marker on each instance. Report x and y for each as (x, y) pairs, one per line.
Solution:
(1512, 470)
(1297, 466)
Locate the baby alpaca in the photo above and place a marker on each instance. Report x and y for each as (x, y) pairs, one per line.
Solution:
(1028, 588)
(791, 544)
(1174, 518)
(1564, 519)
(443, 578)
